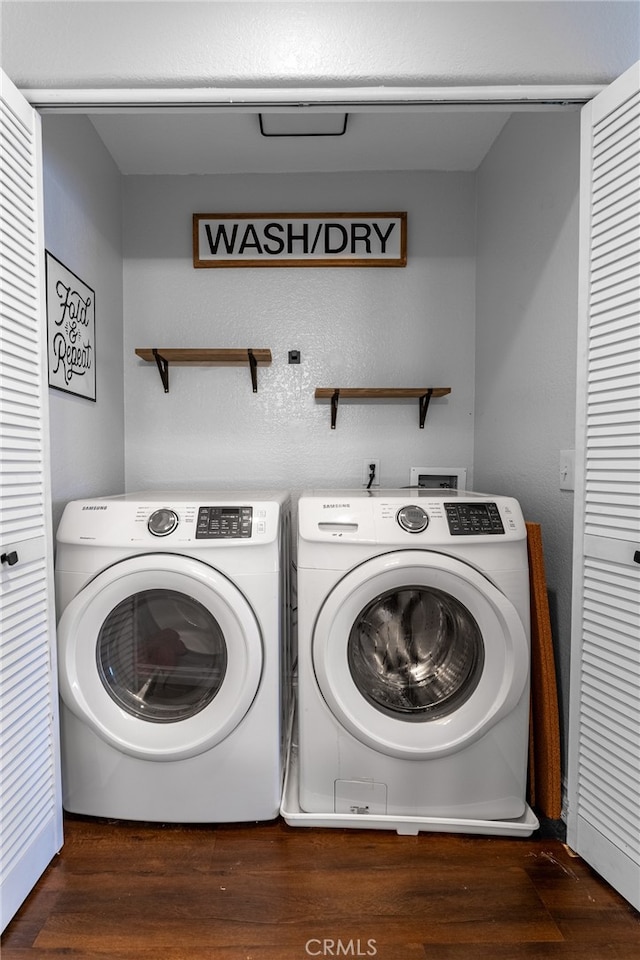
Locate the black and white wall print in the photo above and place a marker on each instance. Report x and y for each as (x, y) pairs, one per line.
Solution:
(71, 330)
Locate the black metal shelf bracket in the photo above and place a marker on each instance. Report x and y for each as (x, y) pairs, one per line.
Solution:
(206, 356)
(163, 369)
(424, 406)
(253, 369)
(335, 397)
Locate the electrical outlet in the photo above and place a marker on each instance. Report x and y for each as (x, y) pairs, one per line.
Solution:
(367, 466)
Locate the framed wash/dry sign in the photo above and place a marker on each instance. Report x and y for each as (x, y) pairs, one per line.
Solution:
(299, 240)
(71, 330)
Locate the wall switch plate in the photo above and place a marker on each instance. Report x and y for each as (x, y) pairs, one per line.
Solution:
(567, 469)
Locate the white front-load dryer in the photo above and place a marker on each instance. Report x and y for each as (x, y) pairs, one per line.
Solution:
(174, 651)
(413, 660)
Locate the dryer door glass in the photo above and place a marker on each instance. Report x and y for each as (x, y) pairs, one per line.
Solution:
(161, 655)
(415, 653)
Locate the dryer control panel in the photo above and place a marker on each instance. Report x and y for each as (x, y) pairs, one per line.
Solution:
(171, 520)
(222, 523)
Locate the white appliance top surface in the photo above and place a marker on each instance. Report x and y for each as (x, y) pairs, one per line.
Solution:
(407, 494)
(166, 497)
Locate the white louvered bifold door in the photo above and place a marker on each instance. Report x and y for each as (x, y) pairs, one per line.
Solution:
(31, 809)
(604, 737)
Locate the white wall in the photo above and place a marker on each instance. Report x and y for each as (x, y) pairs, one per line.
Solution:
(281, 44)
(83, 229)
(411, 326)
(527, 282)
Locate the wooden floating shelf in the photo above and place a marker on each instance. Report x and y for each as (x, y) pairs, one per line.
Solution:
(422, 394)
(187, 356)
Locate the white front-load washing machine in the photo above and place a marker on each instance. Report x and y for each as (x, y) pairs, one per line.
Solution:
(413, 662)
(173, 654)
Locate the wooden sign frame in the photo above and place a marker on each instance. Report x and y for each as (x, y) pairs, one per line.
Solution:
(299, 240)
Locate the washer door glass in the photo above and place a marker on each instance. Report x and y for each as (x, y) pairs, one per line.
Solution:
(416, 652)
(161, 655)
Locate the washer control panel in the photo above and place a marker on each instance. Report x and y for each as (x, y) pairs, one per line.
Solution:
(469, 519)
(413, 519)
(224, 523)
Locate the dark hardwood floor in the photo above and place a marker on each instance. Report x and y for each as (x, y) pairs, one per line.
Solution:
(124, 891)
